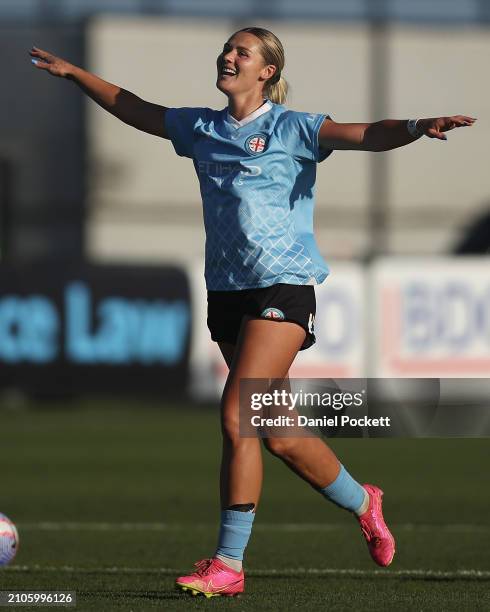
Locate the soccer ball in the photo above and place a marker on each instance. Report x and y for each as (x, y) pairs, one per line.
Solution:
(9, 540)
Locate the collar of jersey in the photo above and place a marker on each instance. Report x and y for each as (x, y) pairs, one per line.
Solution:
(249, 118)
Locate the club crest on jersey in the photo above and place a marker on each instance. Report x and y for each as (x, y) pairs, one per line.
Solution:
(256, 143)
(273, 313)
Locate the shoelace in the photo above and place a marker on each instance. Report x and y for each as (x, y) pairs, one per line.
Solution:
(204, 567)
(375, 540)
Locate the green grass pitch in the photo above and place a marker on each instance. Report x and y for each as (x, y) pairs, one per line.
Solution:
(112, 501)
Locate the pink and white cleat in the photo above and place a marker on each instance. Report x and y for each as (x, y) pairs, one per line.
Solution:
(381, 543)
(213, 577)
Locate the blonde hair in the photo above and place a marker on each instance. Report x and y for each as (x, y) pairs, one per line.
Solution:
(271, 49)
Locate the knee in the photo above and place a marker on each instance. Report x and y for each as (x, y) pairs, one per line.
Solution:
(230, 422)
(281, 447)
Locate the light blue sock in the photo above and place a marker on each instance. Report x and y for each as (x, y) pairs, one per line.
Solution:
(235, 530)
(345, 491)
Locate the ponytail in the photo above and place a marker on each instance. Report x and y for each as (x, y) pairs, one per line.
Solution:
(277, 92)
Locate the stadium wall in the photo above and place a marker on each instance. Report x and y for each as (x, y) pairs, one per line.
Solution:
(42, 147)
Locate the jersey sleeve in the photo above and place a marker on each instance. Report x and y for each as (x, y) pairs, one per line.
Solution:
(180, 125)
(298, 133)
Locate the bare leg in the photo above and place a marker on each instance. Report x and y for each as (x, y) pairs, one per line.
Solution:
(265, 349)
(310, 458)
(239, 455)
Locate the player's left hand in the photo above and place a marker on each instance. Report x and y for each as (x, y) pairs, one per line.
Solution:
(436, 126)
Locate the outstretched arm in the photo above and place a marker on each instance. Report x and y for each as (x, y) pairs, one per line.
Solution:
(123, 104)
(385, 135)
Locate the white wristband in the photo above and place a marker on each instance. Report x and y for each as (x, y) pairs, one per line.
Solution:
(413, 130)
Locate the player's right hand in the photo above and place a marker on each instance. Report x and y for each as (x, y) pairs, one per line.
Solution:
(46, 61)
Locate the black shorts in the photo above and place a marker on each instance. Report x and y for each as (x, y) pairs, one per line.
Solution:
(281, 302)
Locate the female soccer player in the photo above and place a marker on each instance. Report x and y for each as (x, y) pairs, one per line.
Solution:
(256, 163)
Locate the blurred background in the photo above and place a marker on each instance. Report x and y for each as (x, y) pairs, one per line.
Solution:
(106, 366)
(101, 230)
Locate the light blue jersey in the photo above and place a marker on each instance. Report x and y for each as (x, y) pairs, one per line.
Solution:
(257, 180)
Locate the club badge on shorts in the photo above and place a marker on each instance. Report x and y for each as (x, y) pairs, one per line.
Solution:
(273, 313)
(256, 143)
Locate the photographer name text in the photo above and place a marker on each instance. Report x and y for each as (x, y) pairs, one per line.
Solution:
(302, 420)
